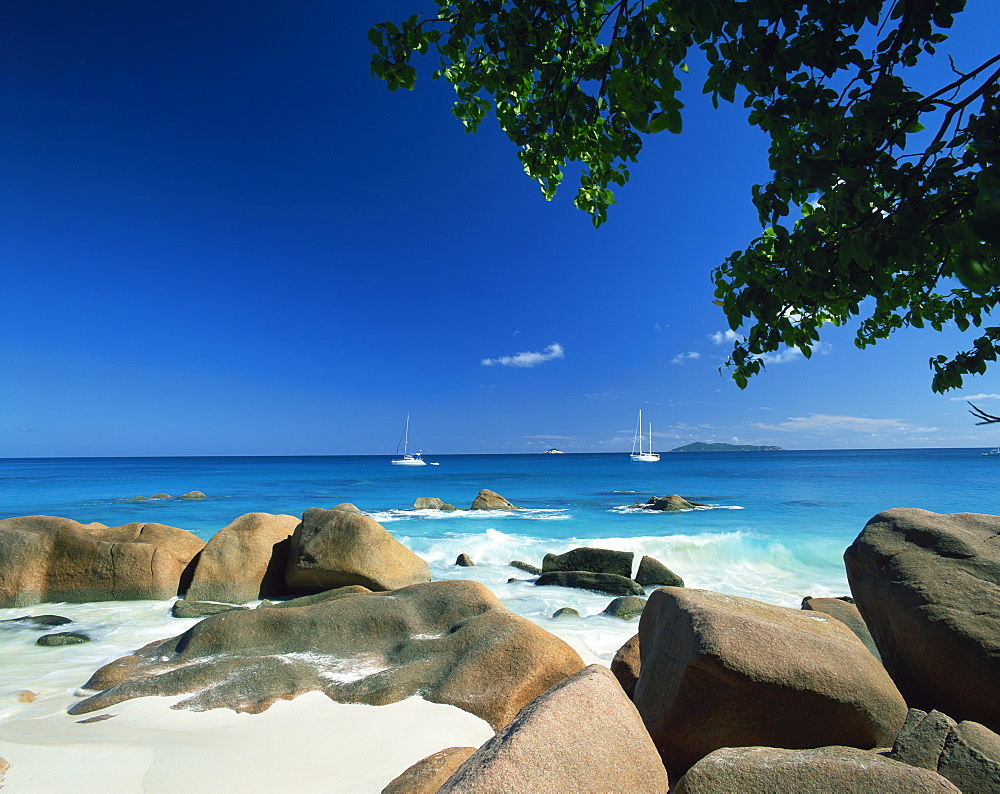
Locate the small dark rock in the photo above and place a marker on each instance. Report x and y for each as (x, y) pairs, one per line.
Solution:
(159, 496)
(625, 607)
(465, 561)
(565, 612)
(652, 571)
(432, 503)
(609, 583)
(670, 502)
(192, 495)
(525, 566)
(38, 621)
(62, 638)
(200, 609)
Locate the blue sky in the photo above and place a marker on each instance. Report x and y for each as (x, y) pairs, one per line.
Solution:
(221, 236)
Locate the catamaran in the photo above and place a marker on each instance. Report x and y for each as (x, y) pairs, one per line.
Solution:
(407, 459)
(637, 454)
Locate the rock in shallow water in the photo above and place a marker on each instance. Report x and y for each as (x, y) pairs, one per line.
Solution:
(609, 583)
(618, 563)
(451, 642)
(62, 638)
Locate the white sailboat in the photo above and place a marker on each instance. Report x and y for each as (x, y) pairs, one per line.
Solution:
(407, 459)
(637, 454)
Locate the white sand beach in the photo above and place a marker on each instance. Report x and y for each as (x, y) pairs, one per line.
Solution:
(310, 743)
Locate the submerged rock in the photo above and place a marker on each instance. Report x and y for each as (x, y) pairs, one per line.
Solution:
(452, 642)
(565, 612)
(491, 500)
(38, 621)
(192, 495)
(625, 607)
(44, 558)
(62, 638)
(465, 561)
(556, 744)
(609, 583)
(244, 560)
(723, 671)
(334, 548)
(525, 566)
(927, 585)
(618, 563)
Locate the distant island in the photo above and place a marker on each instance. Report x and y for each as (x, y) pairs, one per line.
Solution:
(701, 446)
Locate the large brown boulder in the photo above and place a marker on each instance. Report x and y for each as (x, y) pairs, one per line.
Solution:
(335, 548)
(833, 770)
(618, 563)
(583, 734)
(723, 671)
(626, 665)
(927, 585)
(44, 558)
(245, 560)
(491, 500)
(451, 642)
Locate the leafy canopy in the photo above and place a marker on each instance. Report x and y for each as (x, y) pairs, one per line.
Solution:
(880, 195)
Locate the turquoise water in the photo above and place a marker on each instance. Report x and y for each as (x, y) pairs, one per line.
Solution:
(778, 524)
(776, 528)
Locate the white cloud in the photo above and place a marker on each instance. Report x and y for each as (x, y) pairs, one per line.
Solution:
(680, 358)
(604, 395)
(721, 337)
(527, 359)
(820, 423)
(552, 438)
(794, 354)
(972, 397)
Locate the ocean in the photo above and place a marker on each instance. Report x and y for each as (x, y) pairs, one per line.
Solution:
(775, 528)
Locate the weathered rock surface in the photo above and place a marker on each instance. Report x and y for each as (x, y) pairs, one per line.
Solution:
(525, 566)
(347, 507)
(44, 558)
(847, 613)
(245, 560)
(452, 642)
(669, 502)
(609, 583)
(315, 598)
(832, 770)
(625, 607)
(927, 585)
(4, 766)
(627, 664)
(491, 500)
(653, 572)
(966, 753)
(556, 744)
(62, 638)
(431, 503)
(200, 609)
(465, 561)
(429, 774)
(723, 671)
(618, 563)
(334, 548)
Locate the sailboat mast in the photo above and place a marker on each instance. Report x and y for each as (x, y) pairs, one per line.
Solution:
(406, 435)
(650, 438)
